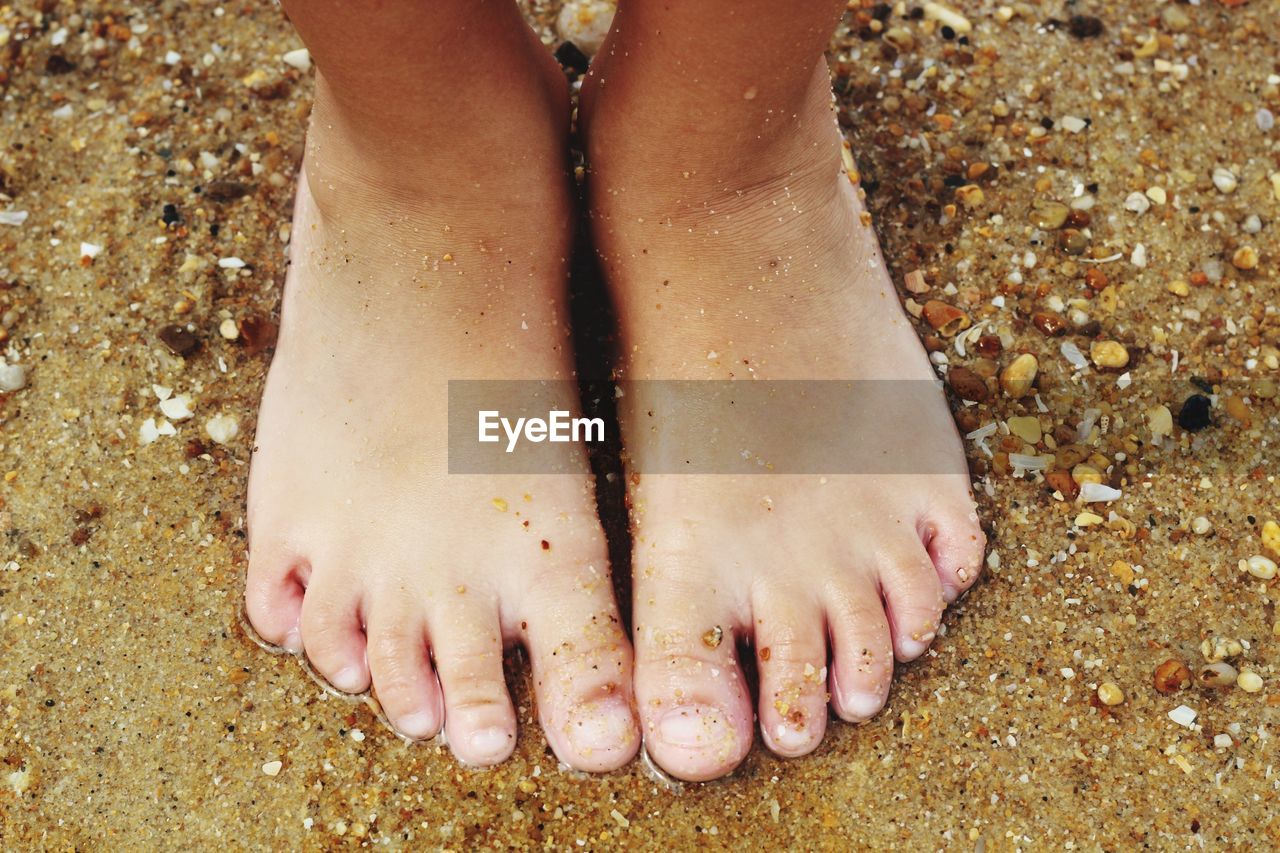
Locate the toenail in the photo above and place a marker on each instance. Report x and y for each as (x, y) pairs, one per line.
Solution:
(911, 647)
(600, 727)
(417, 725)
(694, 727)
(293, 641)
(862, 706)
(489, 743)
(790, 738)
(348, 679)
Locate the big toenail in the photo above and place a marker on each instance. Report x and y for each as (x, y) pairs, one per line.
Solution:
(489, 742)
(694, 727)
(348, 679)
(416, 725)
(600, 726)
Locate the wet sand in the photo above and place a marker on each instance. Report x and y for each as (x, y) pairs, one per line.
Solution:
(153, 150)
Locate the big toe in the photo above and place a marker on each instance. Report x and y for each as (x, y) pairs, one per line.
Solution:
(582, 672)
(695, 708)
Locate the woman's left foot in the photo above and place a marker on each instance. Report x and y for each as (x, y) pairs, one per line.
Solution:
(732, 257)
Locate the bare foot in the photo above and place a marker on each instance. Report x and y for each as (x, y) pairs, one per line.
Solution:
(747, 257)
(366, 555)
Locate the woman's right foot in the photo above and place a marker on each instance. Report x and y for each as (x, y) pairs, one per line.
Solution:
(431, 246)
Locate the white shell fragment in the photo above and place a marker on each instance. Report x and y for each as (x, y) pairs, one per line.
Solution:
(177, 408)
(1098, 493)
(13, 377)
(299, 59)
(222, 428)
(585, 23)
(232, 263)
(948, 17)
(13, 217)
(1183, 716)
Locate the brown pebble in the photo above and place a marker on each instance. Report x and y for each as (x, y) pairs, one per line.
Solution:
(180, 341)
(258, 334)
(1049, 324)
(1172, 676)
(712, 638)
(225, 191)
(967, 385)
(1019, 375)
(1061, 481)
(946, 319)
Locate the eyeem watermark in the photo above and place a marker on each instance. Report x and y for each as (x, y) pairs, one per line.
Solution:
(559, 426)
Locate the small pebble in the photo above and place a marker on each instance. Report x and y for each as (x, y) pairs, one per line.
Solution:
(1019, 375)
(1109, 693)
(1194, 414)
(1245, 258)
(1137, 202)
(1084, 26)
(1271, 537)
(1171, 676)
(585, 23)
(1249, 682)
(1217, 674)
(228, 329)
(1111, 354)
(272, 768)
(1225, 180)
(1262, 568)
(1073, 124)
(1201, 525)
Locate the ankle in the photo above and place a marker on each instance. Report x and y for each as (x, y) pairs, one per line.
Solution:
(741, 151)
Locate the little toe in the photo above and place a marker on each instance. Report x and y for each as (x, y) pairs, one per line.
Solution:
(466, 643)
(333, 633)
(791, 651)
(913, 601)
(861, 651)
(403, 678)
(273, 599)
(957, 546)
(582, 673)
(695, 708)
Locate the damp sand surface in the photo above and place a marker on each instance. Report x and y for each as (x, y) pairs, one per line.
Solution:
(1093, 185)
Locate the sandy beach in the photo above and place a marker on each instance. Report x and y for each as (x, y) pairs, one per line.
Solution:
(1081, 205)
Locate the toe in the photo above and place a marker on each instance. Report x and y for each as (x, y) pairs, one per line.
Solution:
(791, 651)
(273, 598)
(332, 631)
(582, 673)
(466, 643)
(403, 678)
(957, 545)
(695, 709)
(913, 600)
(861, 651)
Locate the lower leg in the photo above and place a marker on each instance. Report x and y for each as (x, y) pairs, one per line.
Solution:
(736, 247)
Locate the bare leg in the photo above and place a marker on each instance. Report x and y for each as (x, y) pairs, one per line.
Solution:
(430, 242)
(736, 249)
